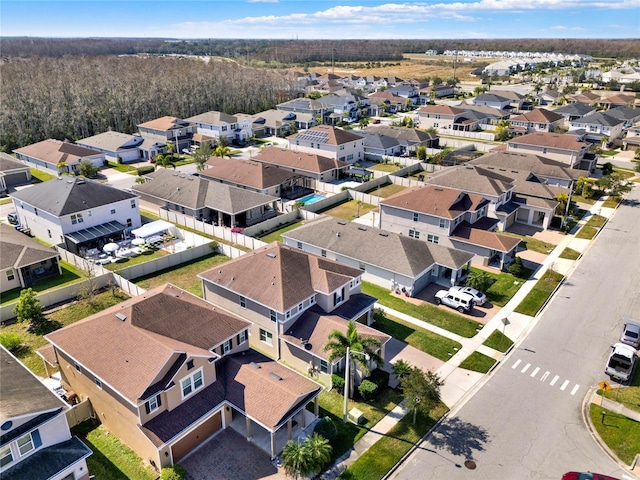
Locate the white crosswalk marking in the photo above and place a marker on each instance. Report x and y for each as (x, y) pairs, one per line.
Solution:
(564, 385)
(517, 363)
(535, 371)
(526, 367)
(575, 389)
(544, 376)
(555, 379)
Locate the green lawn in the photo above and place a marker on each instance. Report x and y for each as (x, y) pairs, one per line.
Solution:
(111, 459)
(539, 293)
(533, 244)
(596, 221)
(478, 362)
(385, 167)
(580, 199)
(376, 462)
(621, 434)
(424, 340)
(629, 396)
(570, 254)
(135, 260)
(426, 312)
(611, 202)
(40, 176)
(183, 275)
(71, 313)
(349, 210)
(276, 235)
(70, 274)
(503, 288)
(498, 341)
(123, 167)
(587, 232)
(386, 191)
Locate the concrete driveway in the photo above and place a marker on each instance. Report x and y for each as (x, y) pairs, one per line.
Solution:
(480, 314)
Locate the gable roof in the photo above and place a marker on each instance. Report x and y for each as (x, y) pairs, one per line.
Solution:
(8, 163)
(18, 250)
(287, 276)
(325, 134)
(67, 195)
(491, 97)
(473, 179)
(624, 113)
(164, 123)
(212, 118)
(585, 97)
(538, 115)
(111, 141)
(54, 151)
(552, 140)
(467, 234)
(618, 99)
(299, 161)
(409, 135)
(246, 173)
(580, 109)
(599, 118)
(441, 109)
(435, 200)
(535, 164)
(403, 254)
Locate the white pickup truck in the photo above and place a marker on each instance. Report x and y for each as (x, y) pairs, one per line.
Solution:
(622, 362)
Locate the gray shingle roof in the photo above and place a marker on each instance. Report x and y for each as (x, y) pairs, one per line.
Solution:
(527, 162)
(574, 109)
(473, 179)
(111, 141)
(7, 162)
(600, 118)
(17, 250)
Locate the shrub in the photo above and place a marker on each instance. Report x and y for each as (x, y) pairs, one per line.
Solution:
(146, 169)
(326, 428)
(517, 269)
(11, 341)
(367, 389)
(119, 160)
(337, 382)
(176, 472)
(379, 377)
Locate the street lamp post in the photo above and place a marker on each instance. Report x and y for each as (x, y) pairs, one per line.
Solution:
(347, 381)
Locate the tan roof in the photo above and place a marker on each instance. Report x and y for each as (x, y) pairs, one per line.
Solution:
(551, 140)
(472, 179)
(163, 123)
(585, 97)
(538, 115)
(495, 241)
(246, 173)
(54, 151)
(212, 118)
(441, 109)
(620, 98)
(287, 276)
(298, 161)
(436, 201)
(325, 134)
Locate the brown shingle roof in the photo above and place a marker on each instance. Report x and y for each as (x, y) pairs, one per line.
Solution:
(473, 179)
(299, 161)
(247, 173)
(437, 201)
(333, 136)
(495, 241)
(552, 140)
(441, 109)
(164, 123)
(287, 276)
(54, 151)
(538, 115)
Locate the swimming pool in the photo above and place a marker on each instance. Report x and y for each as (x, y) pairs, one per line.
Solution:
(313, 198)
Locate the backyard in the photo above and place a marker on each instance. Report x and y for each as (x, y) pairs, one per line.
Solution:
(349, 210)
(70, 274)
(276, 235)
(385, 191)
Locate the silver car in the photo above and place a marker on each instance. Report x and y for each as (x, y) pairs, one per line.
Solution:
(478, 297)
(631, 334)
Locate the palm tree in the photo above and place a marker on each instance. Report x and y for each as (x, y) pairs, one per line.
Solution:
(222, 151)
(201, 156)
(338, 343)
(295, 460)
(319, 450)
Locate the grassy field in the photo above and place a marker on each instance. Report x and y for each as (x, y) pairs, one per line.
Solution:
(503, 288)
(498, 341)
(387, 190)
(539, 293)
(111, 459)
(424, 340)
(463, 326)
(621, 434)
(184, 275)
(570, 254)
(70, 274)
(59, 318)
(349, 210)
(477, 362)
(276, 235)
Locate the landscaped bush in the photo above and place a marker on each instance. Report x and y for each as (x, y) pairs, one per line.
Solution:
(11, 341)
(367, 389)
(379, 377)
(517, 269)
(337, 382)
(175, 472)
(146, 169)
(327, 428)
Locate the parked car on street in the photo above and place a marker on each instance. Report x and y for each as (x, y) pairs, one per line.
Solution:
(463, 302)
(478, 297)
(622, 362)
(631, 334)
(586, 476)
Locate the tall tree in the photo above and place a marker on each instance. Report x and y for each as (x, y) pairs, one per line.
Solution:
(421, 391)
(222, 151)
(201, 155)
(29, 309)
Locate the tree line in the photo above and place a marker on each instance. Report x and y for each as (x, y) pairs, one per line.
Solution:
(74, 97)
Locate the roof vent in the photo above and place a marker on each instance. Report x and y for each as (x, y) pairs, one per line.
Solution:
(341, 222)
(255, 365)
(384, 234)
(274, 376)
(271, 255)
(364, 229)
(121, 316)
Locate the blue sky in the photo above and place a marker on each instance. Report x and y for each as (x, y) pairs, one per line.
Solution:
(321, 19)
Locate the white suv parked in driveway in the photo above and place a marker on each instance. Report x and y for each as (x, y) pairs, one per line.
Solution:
(463, 302)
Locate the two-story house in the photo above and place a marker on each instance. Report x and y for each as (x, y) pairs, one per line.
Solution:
(156, 134)
(114, 145)
(384, 101)
(180, 371)
(35, 441)
(219, 125)
(537, 120)
(443, 117)
(618, 100)
(564, 148)
(295, 301)
(407, 266)
(77, 212)
(598, 125)
(492, 100)
(573, 111)
(312, 167)
(382, 141)
(329, 141)
(57, 157)
(450, 217)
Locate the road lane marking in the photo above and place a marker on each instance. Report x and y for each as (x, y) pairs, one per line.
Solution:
(555, 379)
(544, 376)
(535, 371)
(526, 367)
(564, 385)
(575, 389)
(517, 363)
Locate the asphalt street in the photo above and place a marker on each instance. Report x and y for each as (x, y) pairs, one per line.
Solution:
(526, 421)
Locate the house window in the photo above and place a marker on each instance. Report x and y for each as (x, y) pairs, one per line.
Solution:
(436, 125)
(77, 218)
(287, 314)
(77, 365)
(10, 275)
(324, 366)
(98, 383)
(337, 297)
(300, 245)
(341, 147)
(415, 216)
(153, 404)
(35, 210)
(273, 315)
(266, 337)
(242, 337)
(323, 253)
(443, 223)
(433, 238)
(133, 204)
(226, 347)
(413, 233)
(243, 302)
(299, 307)
(189, 365)
(515, 145)
(350, 157)
(6, 457)
(26, 443)
(312, 300)
(113, 211)
(129, 223)
(191, 383)
(361, 266)
(49, 233)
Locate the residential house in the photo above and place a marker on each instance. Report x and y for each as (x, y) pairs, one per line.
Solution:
(35, 442)
(517, 101)
(387, 102)
(564, 148)
(313, 168)
(598, 125)
(277, 122)
(574, 111)
(24, 261)
(180, 371)
(253, 175)
(158, 133)
(295, 295)
(206, 200)
(445, 117)
(329, 141)
(56, 156)
(383, 141)
(219, 125)
(484, 114)
(618, 100)
(632, 139)
(116, 146)
(549, 97)
(628, 115)
(452, 218)
(379, 147)
(407, 266)
(537, 120)
(492, 100)
(77, 212)
(587, 97)
(12, 172)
